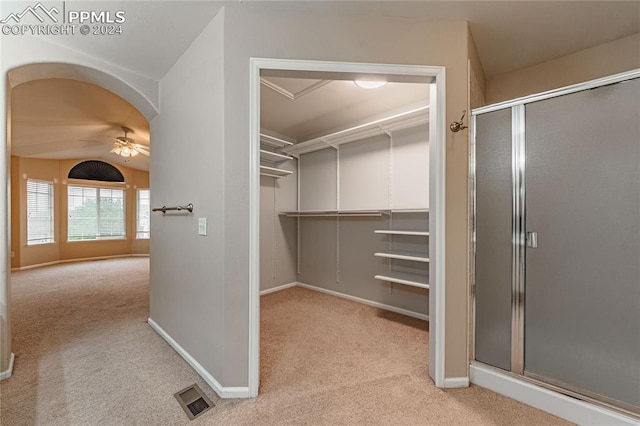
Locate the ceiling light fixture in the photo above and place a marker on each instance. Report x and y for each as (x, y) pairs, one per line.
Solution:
(369, 84)
(125, 151)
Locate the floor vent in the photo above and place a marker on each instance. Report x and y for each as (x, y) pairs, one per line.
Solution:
(193, 401)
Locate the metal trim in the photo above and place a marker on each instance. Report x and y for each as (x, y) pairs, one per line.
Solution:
(573, 394)
(616, 78)
(518, 242)
(472, 257)
(583, 394)
(519, 236)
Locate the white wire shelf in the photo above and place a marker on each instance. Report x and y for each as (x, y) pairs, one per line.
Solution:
(403, 256)
(274, 172)
(273, 142)
(392, 232)
(273, 157)
(404, 278)
(335, 213)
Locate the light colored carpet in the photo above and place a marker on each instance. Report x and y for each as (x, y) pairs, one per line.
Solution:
(85, 356)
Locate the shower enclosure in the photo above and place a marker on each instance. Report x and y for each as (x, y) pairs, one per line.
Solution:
(556, 195)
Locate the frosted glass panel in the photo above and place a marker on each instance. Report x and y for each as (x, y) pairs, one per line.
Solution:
(582, 326)
(493, 238)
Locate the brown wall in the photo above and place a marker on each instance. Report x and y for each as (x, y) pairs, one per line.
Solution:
(600, 61)
(56, 171)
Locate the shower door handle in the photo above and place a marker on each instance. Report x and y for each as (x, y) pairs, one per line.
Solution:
(532, 239)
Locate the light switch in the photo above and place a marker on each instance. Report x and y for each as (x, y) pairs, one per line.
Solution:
(202, 226)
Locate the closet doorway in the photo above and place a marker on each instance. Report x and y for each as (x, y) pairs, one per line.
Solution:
(367, 171)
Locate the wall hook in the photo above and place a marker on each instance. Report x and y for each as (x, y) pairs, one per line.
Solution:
(456, 126)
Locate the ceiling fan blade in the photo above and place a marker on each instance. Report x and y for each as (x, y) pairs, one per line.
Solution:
(142, 151)
(93, 140)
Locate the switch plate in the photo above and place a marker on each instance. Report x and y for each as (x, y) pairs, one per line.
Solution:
(202, 226)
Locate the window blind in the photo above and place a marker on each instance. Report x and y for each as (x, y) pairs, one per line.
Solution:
(39, 212)
(143, 214)
(95, 213)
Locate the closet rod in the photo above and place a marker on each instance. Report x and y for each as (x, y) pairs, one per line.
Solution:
(334, 215)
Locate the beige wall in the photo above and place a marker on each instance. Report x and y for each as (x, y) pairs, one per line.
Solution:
(477, 78)
(56, 171)
(600, 61)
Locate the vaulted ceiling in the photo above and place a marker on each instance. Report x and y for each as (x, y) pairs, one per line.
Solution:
(508, 35)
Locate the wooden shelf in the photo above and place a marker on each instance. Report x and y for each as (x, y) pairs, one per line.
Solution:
(273, 141)
(391, 232)
(335, 213)
(404, 256)
(404, 278)
(274, 172)
(273, 157)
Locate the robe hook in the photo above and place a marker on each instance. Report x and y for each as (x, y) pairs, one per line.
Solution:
(456, 126)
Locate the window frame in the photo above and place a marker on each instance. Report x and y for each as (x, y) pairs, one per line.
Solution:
(52, 210)
(148, 231)
(98, 188)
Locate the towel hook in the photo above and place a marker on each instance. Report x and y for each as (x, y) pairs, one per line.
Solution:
(456, 126)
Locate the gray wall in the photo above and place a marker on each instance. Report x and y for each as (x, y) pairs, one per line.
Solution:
(205, 280)
(373, 173)
(278, 235)
(187, 270)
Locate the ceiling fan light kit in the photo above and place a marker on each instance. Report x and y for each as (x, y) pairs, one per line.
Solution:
(126, 146)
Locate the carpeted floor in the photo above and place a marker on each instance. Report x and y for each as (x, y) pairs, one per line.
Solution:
(86, 356)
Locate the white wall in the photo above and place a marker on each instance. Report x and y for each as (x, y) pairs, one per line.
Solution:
(188, 270)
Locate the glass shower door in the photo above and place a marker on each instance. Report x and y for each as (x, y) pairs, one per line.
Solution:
(582, 285)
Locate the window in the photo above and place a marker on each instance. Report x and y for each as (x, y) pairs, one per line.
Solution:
(39, 212)
(95, 213)
(143, 214)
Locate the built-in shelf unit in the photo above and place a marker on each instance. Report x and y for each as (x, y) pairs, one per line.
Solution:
(416, 238)
(271, 155)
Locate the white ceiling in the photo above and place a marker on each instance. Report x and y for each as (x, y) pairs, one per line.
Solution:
(50, 117)
(508, 34)
(320, 107)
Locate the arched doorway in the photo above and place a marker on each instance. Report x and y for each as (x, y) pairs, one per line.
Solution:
(68, 65)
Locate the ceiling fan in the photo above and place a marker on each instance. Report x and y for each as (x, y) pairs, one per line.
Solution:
(126, 146)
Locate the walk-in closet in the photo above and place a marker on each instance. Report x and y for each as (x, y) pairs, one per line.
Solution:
(344, 189)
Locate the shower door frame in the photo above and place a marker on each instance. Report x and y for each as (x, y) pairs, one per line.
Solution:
(518, 265)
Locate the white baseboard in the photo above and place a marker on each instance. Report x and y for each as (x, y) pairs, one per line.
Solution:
(366, 302)
(456, 382)
(279, 288)
(223, 392)
(81, 259)
(568, 408)
(9, 371)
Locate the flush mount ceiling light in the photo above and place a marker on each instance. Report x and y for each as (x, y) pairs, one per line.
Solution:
(369, 84)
